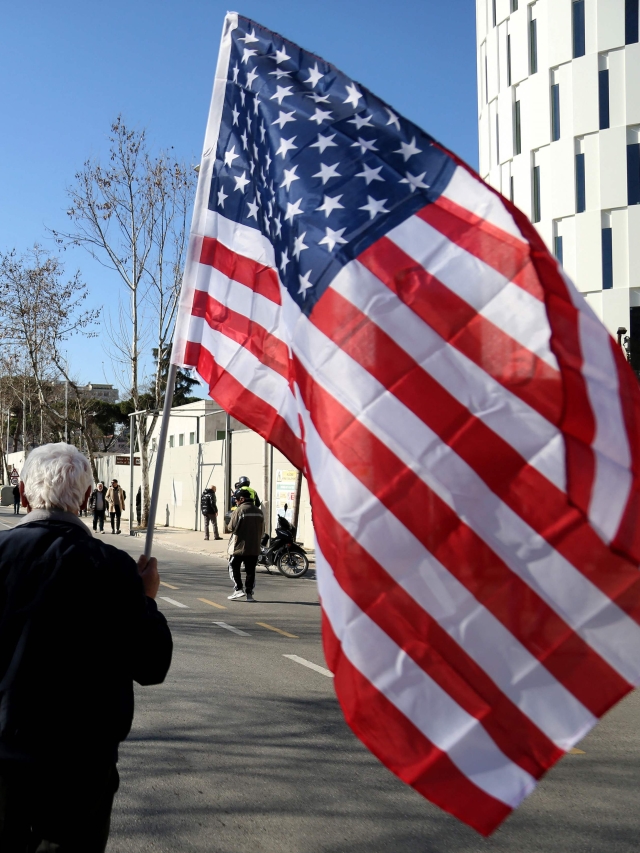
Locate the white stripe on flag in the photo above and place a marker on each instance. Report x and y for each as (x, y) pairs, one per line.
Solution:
(441, 720)
(468, 192)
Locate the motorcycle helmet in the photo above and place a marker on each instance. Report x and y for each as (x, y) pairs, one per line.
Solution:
(244, 494)
(244, 481)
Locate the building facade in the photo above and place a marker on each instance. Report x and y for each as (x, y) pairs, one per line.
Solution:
(559, 128)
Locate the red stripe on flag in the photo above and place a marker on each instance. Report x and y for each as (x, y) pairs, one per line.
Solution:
(490, 244)
(243, 404)
(402, 747)
(270, 350)
(627, 539)
(577, 423)
(258, 277)
(520, 486)
(462, 552)
(385, 602)
(508, 362)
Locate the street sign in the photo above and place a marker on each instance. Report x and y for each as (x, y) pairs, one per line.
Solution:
(15, 477)
(124, 460)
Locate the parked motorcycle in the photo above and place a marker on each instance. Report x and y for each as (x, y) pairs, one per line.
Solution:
(282, 551)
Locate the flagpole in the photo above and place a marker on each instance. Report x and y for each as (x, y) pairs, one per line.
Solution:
(162, 443)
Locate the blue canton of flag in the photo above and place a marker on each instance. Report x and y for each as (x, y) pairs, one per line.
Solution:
(316, 162)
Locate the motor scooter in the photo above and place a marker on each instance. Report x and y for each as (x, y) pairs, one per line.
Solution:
(282, 551)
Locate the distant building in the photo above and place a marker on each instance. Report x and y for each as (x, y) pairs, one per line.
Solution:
(95, 391)
(559, 122)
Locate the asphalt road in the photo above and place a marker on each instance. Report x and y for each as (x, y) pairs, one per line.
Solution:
(244, 750)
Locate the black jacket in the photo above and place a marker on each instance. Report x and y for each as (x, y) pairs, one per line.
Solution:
(76, 630)
(94, 498)
(208, 502)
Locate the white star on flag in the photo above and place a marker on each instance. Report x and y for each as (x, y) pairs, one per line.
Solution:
(281, 93)
(299, 245)
(241, 182)
(246, 56)
(293, 210)
(289, 177)
(361, 121)
(373, 206)
(253, 210)
(408, 149)
(283, 118)
(370, 174)
(251, 76)
(327, 172)
(364, 144)
(281, 55)
(324, 142)
(305, 284)
(286, 145)
(416, 182)
(314, 75)
(222, 196)
(330, 203)
(353, 97)
(230, 156)
(332, 237)
(321, 115)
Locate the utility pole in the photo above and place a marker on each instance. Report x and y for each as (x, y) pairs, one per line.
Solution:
(66, 411)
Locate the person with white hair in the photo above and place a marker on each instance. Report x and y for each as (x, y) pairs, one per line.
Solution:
(78, 625)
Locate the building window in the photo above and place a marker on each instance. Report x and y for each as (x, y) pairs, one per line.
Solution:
(536, 194)
(557, 248)
(508, 60)
(581, 196)
(181, 440)
(514, 5)
(533, 46)
(486, 79)
(631, 8)
(171, 441)
(192, 438)
(493, 12)
(603, 97)
(511, 188)
(555, 112)
(220, 435)
(607, 258)
(578, 28)
(517, 132)
(633, 173)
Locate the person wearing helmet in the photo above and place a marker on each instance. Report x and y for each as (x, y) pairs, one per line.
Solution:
(247, 528)
(245, 483)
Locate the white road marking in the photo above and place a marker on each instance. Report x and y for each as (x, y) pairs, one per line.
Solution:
(173, 601)
(308, 663)
(231, 628)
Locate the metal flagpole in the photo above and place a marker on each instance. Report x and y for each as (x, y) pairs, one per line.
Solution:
(132, 450)
(162, 443)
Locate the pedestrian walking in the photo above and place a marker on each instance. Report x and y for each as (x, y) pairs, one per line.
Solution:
(16, 500)
(116, 497)
(247, 527)
(98, 506)
(209, 507)
(139, 505)
(78, 624)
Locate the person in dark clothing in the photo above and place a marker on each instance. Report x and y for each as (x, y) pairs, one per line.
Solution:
(98, 506)
(78, 625)
(209, 507)
(247, 527)
(139, 505)
(116, 497)
(16, 500)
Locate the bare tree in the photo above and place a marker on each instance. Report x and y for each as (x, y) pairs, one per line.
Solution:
(131, 216)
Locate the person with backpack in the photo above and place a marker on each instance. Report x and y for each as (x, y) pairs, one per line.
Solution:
(209, 507)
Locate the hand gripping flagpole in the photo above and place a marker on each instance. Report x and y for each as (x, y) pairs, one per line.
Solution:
(162, 443)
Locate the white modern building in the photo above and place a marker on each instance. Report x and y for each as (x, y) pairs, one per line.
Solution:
(559, 122)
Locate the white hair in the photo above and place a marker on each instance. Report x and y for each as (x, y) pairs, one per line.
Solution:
(56, 476)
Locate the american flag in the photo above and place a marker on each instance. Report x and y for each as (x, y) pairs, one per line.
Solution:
(468, 428)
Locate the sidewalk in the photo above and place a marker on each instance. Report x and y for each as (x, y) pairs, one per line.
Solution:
(178, 539)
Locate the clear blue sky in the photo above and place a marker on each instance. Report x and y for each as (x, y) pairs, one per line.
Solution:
(68, 68)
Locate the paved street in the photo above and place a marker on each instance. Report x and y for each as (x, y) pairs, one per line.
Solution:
(244, 749)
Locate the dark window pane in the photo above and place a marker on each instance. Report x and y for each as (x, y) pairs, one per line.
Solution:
(508, 60)
(578, 27)
(581, 196)
(633, 173)
(533, 46)
(516, 127)
(557, 249)
(511, 188)
(631, 8)
(514, 5)
(603, 98)
(555, 112)
(536, 194)
(607, 258)
(494, 12)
